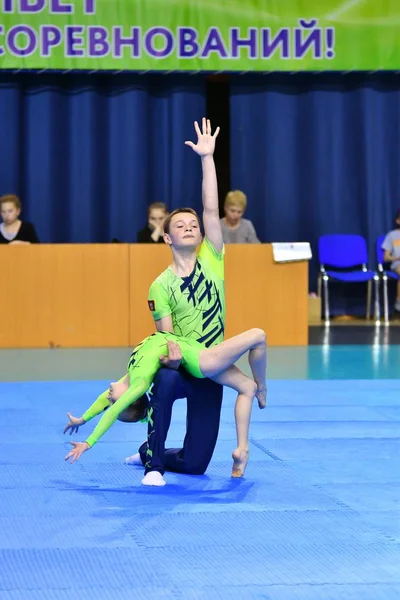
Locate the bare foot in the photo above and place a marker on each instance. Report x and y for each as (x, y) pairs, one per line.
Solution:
(240, 459)
(134, 460)
(261, 394)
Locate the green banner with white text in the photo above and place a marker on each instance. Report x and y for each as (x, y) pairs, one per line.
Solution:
(200, 35)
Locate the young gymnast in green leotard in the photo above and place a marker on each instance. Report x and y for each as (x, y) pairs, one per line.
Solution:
(216, 362)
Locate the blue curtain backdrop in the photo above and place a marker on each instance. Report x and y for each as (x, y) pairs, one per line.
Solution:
(317, 154)
(88, 153)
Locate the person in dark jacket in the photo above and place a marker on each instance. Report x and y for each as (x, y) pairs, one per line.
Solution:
(153, 232)
(12, 229)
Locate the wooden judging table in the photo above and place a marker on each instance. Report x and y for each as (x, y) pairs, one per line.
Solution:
(95, 295)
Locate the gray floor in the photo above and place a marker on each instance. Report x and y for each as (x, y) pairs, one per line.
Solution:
(367, 349)
(64, 364)
(110, 364)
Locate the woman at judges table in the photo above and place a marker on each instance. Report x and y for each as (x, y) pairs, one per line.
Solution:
(12, 229)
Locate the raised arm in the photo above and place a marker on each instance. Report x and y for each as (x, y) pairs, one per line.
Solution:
(205, 149)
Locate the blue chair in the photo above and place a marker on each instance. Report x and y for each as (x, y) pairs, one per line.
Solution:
(385, 274)
(344, 258)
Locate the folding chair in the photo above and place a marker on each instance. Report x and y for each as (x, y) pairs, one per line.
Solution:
(344, 258)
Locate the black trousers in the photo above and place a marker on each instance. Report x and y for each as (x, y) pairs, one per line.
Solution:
(204, 401)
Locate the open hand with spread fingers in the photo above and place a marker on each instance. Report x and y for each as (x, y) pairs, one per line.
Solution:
(76, 453)
(205, 140)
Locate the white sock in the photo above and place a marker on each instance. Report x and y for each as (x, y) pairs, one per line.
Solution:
(134, 460)
(154, 478)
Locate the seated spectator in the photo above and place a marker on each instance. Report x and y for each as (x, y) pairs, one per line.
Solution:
(154, 230)
(235, 229)
(12, 229)
(391, 246)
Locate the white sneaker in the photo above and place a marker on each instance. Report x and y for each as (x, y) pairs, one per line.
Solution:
(154, 478)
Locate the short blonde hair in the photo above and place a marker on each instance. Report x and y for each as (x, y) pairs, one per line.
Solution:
(236, 198)
(13, 199)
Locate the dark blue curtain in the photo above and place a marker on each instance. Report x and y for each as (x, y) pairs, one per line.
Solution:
(88, 153)
(317, 154)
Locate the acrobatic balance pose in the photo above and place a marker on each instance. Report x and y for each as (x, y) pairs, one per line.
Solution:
(188, 299)
(216, 363)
